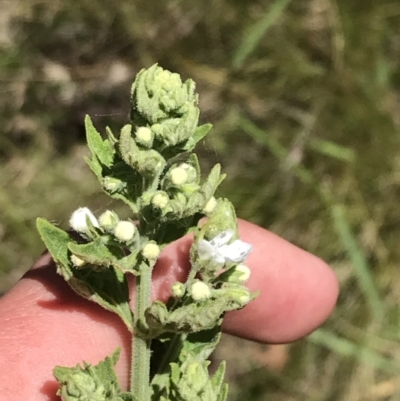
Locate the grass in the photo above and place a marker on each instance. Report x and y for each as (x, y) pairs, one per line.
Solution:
(304, 100)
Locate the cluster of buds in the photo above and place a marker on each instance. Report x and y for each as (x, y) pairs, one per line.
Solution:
(150, 166)
(165, 110)
(84, 222)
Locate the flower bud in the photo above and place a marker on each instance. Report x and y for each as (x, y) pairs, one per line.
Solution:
(190, 170)
(151, 251)
(144, 136)
(244, 299)
(79, 218)
(200, 291)
(77, 261)
(160, 200)
(168, 105)
(112, 184)
(177, 289)
(210, 206)
(125, 231)
(243, 272)
(238, 293)
(179, 176)
(108, 220)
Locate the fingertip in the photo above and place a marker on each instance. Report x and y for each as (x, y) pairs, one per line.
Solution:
(298, 290)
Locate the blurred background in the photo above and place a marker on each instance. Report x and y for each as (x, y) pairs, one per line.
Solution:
(304, 96)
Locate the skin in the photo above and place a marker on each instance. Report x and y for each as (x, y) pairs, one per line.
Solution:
(43, 323)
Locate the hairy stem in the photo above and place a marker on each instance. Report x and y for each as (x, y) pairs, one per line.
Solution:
(140, 365)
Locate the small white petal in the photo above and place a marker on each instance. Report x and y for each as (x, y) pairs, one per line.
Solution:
(219, 258)
(222, 238)
(78, 220)
(205, 250)
(236, 252)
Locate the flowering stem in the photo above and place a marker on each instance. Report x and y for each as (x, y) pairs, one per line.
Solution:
(140, 364)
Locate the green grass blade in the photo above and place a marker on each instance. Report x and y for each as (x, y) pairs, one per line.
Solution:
(348, 348)
(253, 37)
(331, 149)
(275, 148)
(358, 260)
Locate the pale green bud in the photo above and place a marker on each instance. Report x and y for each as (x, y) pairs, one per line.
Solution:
(239, 294)
(112, 184)
(244, 299)
(200, 291)
(210, 206)
(151, 251)
(244, 272)
(144, 136)
(178, 176)
(177, 289)
(180, 197)
(150, 162)
(82, 387)
(108, 220)
(125, 231)
(160, 200)
(190, 170)
(223, 218)
(77, 261)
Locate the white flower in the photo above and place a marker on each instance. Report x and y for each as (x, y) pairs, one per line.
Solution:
(220, 251)
(78, 220)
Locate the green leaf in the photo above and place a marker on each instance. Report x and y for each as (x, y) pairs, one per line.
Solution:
(128, 397)
(102, 150)
(95, 166)
(198, 135)
(182, 348)
(212, 182)
(90, 383)
(129, 263)
(200, 345)
(96, 252)
(56, 241)
(127, 146)
(108, 288)
(217, 382)
(223, 393)
(111, 137)
(189, 318)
